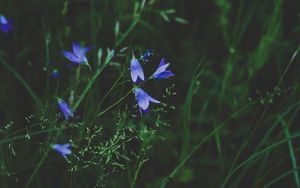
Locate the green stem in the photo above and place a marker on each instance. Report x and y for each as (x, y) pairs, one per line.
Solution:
(255, 155)
(42, 160)
(124, 36)
(292, 153)
(122, 98)
(22, 81)
(117, 102)
(108, 92)
(166, 180)
(24, 135)
(88, 87)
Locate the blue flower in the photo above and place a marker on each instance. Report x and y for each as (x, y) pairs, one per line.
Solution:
(161, 71)
(5, 24)
(78, 54)
(148, 53)
(54, 73)
(136, 70)
(143, 99)
(65, 109)
(63, 149)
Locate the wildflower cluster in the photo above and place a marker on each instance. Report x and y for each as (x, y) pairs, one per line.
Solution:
(108, 152)
(138, 77)
(77, 56)
(94, 146)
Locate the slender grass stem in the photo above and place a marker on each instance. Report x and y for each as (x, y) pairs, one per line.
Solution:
(166, 180)
(263, 114)
(287, 173)
(110, 90)
(116, 103)
(128, 31)
(20, 130)
(41, 162)
(23, 136)
(88, 87)
(22, 81)
(257, 154)
(292, 153)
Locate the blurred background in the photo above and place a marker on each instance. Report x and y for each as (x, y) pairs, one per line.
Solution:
(236, 90)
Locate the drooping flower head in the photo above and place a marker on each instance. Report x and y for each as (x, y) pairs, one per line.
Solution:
(63, 149)
(78, 54)
(143, 99)
(148, 53)
(136, 70)
(161, 71)
(54, 73)
(65, 109)
(5, 24)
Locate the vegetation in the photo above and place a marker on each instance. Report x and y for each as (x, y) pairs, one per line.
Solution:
(88, 98)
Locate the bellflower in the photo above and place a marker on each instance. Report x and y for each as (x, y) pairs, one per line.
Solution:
(78, 54)
(143, 99)
(55, 73)
(161, 71)
(63, 149)
(148, 53)
(5, 24)
(65, 109)
(136, 70)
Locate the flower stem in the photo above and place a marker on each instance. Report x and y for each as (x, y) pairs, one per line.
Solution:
(117, 102)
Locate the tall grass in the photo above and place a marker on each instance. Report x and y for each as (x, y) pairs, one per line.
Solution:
(227, 119)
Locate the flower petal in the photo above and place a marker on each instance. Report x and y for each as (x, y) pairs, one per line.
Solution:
(153, 100)
(76, 49)
(66, 145)
(162, 72)
(161, 68)
(136, 70)
(5, 24)
(70, 56)
(134, 75)
(143, 103)
(3, 20)
(66, 150)
(79, 51)
(142, 98)
(63, 149)
(162, 75)
(162, 62)
(65, 109)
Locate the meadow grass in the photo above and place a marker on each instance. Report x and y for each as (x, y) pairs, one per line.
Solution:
(228, 118)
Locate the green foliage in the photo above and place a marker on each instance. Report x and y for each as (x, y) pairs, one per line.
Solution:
(229, 118)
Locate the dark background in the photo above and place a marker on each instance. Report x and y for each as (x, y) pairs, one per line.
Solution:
(243, 48)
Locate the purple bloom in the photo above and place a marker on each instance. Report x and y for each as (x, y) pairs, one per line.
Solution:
(78, 54)
(143, 99)
(5, 24)
(136, 70)
(161, 71)
(63, 149)
(65, 109)
(148, 53)
(54, 73)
